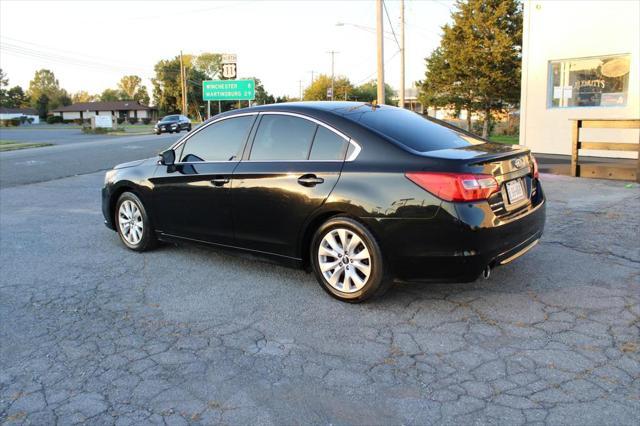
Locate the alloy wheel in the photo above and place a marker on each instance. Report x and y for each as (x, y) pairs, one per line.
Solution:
(130, 222)
(344, 260)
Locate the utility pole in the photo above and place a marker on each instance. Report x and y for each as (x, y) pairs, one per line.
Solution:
(312, 74)
(333, 54)
(182, 85)
(401, 54)
(300, 87)
(380, 37)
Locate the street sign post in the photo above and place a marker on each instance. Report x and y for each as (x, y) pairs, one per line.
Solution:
(329, 92)
(228, 90)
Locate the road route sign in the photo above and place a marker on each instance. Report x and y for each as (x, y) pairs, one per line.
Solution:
(228, 90)
(229, 66)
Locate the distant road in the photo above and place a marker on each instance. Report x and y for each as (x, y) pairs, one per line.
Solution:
(80, 154)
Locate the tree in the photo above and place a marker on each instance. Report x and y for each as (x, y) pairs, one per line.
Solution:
(4, 82)
(111, 95)
(42, 105)
(209, 63)
(12, 98)
(129, 85)
(166, 86)
(441, 88)
(83, 96)
(45, 83)
(142, 95)
(317, 91)
(368, 92)
(15, 98)
(481, 54)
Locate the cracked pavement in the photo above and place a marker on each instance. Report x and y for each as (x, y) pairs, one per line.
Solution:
(91, 332)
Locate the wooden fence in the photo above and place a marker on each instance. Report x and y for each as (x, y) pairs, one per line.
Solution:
(613, 171)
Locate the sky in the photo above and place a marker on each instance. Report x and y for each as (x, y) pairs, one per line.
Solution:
(90, 45)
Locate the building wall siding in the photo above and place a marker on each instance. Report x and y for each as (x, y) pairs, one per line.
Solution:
(570, 30)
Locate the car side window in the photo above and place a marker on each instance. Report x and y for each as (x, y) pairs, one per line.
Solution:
(282, 137)
(221, 141)
(327, 146)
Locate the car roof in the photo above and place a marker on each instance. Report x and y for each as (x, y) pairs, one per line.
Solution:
(336, 108)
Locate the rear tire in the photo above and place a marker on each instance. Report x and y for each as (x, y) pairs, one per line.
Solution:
(347, 261)
(133, 224)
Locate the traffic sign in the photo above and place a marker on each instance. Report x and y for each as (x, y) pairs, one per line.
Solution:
(229, 66)
(229, 71)
(228, 58)
(329, 92)
(228, 90)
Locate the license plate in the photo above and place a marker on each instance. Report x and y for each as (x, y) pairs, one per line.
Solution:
(515, 191)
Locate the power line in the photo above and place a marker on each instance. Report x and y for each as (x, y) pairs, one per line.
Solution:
(386, 12)
(374, 73)
(49, 49)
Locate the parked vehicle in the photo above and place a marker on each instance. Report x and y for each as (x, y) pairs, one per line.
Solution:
(172, 123)
(359, 194)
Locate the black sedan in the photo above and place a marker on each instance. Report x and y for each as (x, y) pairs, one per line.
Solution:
(359, 194)
(172, 123)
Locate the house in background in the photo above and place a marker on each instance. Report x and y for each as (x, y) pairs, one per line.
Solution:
(580, 60)
(117, 109)
(29, 113)
(411, 101)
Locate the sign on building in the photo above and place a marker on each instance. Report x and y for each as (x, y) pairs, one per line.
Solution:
(103, 121)
(228, 90)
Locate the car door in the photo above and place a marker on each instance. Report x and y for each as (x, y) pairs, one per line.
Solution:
(191, 198)
(290, 169)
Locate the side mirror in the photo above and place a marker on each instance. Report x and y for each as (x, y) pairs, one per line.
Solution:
(168, 157)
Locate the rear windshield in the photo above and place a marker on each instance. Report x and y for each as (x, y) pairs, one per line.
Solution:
(410, 129)
(171, 118)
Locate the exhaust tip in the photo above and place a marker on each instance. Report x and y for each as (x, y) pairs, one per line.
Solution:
(486, 272)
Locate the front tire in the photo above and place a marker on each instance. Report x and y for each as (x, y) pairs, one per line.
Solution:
(347, 261)
(133, 224)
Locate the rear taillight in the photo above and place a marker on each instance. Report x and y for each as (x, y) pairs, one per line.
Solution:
(534, 162)
(455, 186)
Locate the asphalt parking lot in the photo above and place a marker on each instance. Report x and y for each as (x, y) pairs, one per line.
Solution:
(91, 332)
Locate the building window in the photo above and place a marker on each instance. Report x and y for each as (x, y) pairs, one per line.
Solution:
(589, 82)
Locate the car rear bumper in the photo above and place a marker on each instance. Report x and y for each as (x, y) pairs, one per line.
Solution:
(459, 242)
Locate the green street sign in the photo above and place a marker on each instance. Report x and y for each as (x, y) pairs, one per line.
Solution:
(228, 90)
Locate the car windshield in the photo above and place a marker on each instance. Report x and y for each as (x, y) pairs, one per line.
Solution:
(170, 118)
(410, 129)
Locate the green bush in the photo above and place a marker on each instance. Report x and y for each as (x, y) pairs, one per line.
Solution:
(132, 120)
(120, 120)
(54, 119)
(146, 120)
(100, 130)
(11, 122)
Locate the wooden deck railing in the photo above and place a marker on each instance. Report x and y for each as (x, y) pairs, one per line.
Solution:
(599, 171)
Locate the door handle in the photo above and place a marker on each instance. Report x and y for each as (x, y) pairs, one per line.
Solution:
(220, 181)
(310, 180)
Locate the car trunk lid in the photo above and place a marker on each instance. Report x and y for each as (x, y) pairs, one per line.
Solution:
(511, 166)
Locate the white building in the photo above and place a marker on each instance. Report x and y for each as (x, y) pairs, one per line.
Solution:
(118, 109)
(580, 60)
(29, 113)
